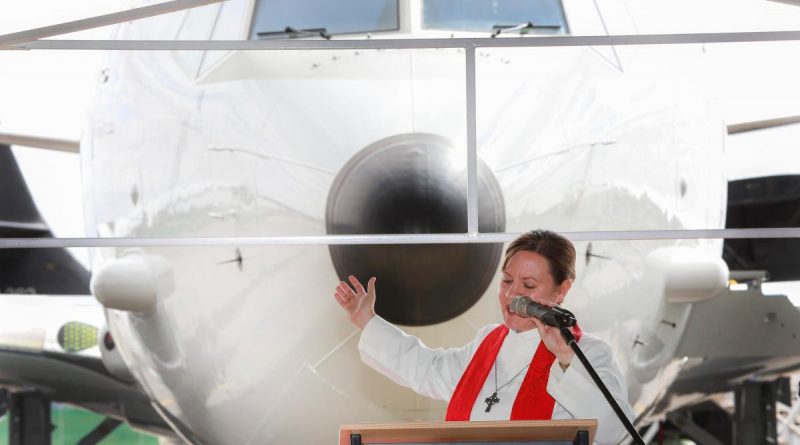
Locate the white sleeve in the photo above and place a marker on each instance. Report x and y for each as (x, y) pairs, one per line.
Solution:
(577, 393)
(407, 361)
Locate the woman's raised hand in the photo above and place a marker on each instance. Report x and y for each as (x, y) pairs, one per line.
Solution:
(357, 302)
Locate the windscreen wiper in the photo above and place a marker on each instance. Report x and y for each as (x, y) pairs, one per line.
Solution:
(293, 33)
(522, 28)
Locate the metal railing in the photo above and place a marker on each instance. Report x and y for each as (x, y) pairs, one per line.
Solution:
(28, 40)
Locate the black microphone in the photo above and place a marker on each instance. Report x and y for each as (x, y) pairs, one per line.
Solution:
(563, 319)
(551, 316)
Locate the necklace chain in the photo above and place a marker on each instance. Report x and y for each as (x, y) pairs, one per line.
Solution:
(493, 399)
(496, 389)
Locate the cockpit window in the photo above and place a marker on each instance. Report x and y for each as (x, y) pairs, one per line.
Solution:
(301, 18)
(529, 16)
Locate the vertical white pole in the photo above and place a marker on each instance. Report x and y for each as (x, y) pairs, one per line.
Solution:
(472, 144)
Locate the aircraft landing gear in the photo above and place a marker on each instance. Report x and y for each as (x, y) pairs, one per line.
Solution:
(29, 419)
(753, 419)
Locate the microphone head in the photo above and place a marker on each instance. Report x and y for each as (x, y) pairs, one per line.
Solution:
(518, 305)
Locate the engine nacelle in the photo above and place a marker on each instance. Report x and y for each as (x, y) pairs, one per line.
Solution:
(689, 276)
(132, 282)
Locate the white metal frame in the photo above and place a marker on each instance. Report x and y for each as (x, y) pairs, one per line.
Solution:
(27, 40)
(444, 238)
(22, 37)
(40, 142)
(476, 42)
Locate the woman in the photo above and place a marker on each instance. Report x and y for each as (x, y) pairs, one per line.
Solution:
(519, 370)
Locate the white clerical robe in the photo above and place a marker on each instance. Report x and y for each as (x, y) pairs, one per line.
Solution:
(436, 372)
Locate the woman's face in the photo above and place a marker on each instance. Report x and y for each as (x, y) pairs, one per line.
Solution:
(528, 273)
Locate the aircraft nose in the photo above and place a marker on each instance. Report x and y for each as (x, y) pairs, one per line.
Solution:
(415, 183)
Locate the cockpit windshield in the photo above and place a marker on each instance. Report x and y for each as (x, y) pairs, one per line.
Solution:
(300, 18)
(526, 16)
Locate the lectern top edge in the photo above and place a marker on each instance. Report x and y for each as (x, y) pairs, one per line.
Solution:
(484, 431)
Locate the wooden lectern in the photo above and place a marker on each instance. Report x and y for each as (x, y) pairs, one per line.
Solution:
(517, 432)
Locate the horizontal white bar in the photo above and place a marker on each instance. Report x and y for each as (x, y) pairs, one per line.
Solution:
(485, 42)
(100, 20)
(744, 127)
(40, 142)
(32, 226)
(445, 238)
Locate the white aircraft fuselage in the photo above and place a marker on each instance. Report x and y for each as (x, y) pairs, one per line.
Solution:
(246, 344)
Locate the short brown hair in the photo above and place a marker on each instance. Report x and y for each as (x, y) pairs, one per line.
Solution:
(556, 249)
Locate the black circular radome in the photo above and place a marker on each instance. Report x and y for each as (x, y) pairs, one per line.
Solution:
(412, 184)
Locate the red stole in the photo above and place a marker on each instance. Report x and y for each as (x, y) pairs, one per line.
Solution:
(533, 402)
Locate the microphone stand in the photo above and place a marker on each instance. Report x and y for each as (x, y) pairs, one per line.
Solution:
(570, 339)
